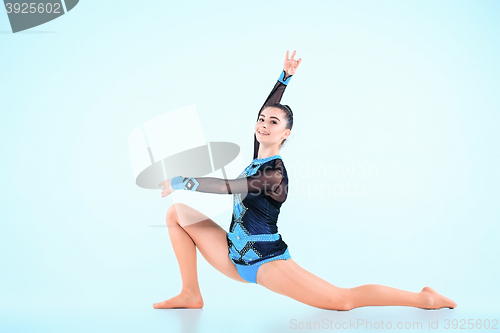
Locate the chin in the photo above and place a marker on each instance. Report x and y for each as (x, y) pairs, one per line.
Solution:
(259, 139)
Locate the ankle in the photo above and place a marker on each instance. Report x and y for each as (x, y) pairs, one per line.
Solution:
(191, 291)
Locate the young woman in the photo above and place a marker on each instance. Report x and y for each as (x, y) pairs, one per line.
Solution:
(253, 251)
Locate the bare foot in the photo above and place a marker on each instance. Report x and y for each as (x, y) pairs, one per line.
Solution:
(181, 301)
(437, 301)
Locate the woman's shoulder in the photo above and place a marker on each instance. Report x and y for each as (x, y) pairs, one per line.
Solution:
(273, 161)
(275, 164)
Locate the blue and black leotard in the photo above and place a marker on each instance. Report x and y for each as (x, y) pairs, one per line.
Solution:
(258, 193)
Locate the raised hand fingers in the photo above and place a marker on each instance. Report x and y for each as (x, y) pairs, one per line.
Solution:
(291, 64)
(287, 53)
(287, 59)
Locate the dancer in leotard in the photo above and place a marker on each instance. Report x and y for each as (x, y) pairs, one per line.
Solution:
(253, 251)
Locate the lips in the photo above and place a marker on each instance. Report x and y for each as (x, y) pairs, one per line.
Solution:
(262, 133)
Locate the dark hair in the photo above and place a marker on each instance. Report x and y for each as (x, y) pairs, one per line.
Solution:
(289, 115)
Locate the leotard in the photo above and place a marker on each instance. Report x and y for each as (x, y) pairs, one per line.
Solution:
(258, 193)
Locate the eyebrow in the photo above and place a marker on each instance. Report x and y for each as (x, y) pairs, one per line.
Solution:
(270, 117)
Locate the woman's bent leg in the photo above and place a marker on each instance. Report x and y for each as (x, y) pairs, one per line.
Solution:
(286, 277)
(188, 229)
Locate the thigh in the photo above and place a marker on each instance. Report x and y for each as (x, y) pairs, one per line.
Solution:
(286, 277)
(210, 239)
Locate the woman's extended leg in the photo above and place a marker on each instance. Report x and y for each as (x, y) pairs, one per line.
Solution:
(286, 277)
(188, 228)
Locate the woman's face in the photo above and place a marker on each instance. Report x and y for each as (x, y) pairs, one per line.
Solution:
(271, 126)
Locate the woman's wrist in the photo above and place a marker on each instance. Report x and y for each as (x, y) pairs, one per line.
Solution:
(184, 183)
(284, 77)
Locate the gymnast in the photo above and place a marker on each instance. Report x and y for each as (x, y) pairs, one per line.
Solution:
(253, 251)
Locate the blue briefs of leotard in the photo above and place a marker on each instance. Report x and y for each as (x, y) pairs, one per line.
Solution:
(249, 273)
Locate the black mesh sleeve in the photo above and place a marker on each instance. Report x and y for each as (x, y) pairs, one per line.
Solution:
(268, 180)
(273, 98)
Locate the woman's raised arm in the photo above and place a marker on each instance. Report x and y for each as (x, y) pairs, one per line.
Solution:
(289, 68)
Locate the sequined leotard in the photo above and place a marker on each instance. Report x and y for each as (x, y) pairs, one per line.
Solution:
(258, 193)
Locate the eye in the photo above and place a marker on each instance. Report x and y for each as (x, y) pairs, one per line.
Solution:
(274, 122)
(261, 119)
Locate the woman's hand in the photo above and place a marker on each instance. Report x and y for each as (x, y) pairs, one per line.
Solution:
(290, 66)
(167, 189)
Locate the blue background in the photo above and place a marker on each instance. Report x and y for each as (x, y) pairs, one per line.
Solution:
(409, 89)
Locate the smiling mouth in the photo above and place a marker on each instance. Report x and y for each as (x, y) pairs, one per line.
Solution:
(262, 133)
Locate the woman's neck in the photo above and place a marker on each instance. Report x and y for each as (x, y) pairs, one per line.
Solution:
(265, 152)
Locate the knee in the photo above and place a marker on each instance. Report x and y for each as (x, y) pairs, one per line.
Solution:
(172, 217)
(343, 302)
(173, 214)
(340, 306)
(345, 306)
(347, 302)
